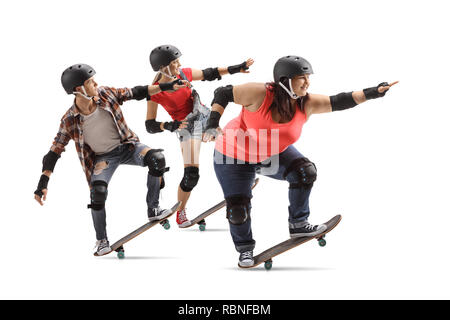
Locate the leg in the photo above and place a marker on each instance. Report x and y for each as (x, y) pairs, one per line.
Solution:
(156, 163)
(236, 181)
(103, 170)
(301, 174)
(141, 155)
(292, 165)
(190, 149)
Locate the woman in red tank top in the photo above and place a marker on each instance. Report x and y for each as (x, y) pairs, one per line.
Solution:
(260, 140)
(188, 113)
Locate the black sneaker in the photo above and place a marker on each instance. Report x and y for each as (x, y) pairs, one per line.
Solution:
(157, 214)
(246, 259)
(305, 229)
(102, 247)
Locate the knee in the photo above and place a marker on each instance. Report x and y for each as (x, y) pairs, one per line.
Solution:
(305, 172)
(190, 179)
(156, 162)
(99, 192)
(238, 209)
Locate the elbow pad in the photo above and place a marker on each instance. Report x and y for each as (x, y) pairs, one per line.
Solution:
(223, 95)
(139, 92)
(342, 101)
(211, 74)
(49, 161)
(153, 126)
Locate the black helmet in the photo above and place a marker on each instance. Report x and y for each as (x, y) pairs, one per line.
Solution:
(162, 56)
(75, 76)
(291, 66)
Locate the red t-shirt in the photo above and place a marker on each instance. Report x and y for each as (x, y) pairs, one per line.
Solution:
(254, 136)
(178, 103)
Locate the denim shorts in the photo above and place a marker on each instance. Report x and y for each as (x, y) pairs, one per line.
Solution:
(197, 120)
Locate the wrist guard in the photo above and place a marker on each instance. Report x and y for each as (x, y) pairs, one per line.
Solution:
(169, 85)
(237, 68)
(372, 93)
(213, 120)
(43, 182)
(172, 126)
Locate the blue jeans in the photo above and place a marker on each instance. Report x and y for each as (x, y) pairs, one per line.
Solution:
(123, 154)
(236, 179)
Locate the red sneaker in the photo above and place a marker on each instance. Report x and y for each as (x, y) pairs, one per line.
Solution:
(181, 218)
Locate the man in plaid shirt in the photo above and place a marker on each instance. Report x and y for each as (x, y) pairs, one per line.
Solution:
(103, 141)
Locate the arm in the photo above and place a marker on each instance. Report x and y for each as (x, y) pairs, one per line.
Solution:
(211, 74)
(49, 161)
(154, 126)
(250, 96)
(151, 124)
(141, 92)
(317, 103)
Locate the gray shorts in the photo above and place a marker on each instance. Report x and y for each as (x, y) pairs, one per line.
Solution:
(196, 120)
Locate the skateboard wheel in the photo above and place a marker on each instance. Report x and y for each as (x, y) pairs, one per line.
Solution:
(166, 225)
(202, 227)
(322, 242)
(121, 254)
(268, 265)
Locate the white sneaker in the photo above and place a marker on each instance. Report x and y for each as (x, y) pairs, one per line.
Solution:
(102, 247)
(246, 259)
(305, 229)
(157, 214)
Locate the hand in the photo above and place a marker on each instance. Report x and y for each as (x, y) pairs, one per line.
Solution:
(378, 91)
(178, 84)
(211, 134)
(248, 63)
(175, 125)
(40, 198)
(384, 88)
(174, 85)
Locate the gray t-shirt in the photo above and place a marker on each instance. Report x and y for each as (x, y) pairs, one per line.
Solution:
(100, 131)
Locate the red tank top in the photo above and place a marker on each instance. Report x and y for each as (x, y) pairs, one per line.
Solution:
(254, 136)
(178, 103)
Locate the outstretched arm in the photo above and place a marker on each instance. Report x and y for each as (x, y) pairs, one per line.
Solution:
(211, 74)
(317, 103)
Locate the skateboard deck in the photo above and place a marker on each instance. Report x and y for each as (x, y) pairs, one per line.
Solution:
(118, 245)
(200, 219)
(267, 255)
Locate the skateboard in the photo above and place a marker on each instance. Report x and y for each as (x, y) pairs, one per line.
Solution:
(200, 220)
(266, 256)
(118, 245)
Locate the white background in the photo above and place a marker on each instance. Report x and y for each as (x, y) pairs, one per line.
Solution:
(382, 165)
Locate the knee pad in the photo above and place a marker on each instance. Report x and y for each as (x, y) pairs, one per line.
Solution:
(238, 209)
(99, 192)
(156, 162)
(306, 170)
(190, 179)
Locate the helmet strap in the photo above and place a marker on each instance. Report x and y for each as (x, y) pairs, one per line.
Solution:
(165, 74)
(84, 94)
(290, 92)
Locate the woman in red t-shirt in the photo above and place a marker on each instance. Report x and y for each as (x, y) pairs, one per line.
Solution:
(260, 140)
(188, 113)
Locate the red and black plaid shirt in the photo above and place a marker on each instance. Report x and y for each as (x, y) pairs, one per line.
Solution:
(71, 126)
